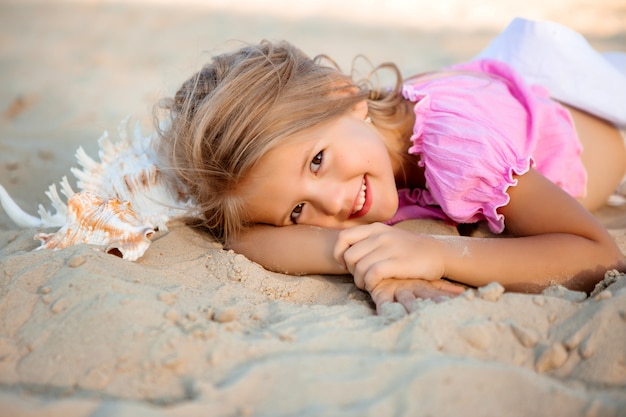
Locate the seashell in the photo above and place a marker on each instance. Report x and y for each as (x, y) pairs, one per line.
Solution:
(128, 171)
(108, 223)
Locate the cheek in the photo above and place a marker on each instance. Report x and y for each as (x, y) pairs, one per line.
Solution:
(257, 206)
(389, 204)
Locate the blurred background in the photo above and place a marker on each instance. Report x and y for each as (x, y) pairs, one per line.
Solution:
(599, 16)
(71, 69)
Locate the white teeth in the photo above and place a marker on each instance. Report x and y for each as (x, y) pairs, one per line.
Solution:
(361, 202)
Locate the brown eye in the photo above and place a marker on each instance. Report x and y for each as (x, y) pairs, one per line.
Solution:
(316, 162)
(295, 213)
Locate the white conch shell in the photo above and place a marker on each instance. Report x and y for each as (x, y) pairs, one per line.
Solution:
(110, 224)
(46, 219)
(130, 171)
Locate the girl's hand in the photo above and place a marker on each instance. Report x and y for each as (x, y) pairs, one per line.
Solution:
(406, 291)
(376, 251)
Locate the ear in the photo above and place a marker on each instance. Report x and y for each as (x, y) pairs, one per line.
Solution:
(360, 109)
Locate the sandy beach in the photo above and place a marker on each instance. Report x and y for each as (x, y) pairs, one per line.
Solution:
(191, 329)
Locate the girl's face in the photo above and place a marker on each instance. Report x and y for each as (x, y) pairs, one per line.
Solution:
(336, 175)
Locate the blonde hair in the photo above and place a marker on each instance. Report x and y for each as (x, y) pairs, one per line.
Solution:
(239, 106)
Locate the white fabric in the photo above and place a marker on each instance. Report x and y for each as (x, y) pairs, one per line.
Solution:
(562, 60)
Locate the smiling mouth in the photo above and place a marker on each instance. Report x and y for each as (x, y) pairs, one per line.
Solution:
(363, 201)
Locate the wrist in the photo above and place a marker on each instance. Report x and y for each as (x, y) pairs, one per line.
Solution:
(450, 253)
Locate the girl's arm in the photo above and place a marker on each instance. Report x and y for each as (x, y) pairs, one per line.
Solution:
(556, 241)
(295, 250)
(301, 249)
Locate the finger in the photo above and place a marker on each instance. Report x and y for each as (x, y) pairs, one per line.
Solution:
(363, 261)
(356, 233)
(370, 262)
(448, 287)
(406, 298)
(431, 293)
(359, 249)
(347, 238)
(373, 267)
(372, 271)
(358, 281)
(382, 295)
(339, 250)
(350, 236)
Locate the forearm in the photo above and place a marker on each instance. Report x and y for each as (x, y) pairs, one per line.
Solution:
(295, 250)
(557, 242)
(529, 264)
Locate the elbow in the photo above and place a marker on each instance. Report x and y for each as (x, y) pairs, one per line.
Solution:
(616, 261)
(608, 254)
(611, 258)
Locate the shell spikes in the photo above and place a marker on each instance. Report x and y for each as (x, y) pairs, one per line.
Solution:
(123, 198)
(15, 213)
(108, 223)
(46, 219)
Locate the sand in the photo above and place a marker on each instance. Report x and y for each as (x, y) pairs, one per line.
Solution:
(193, 330)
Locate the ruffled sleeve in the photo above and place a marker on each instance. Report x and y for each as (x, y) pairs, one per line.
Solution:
(473, 133)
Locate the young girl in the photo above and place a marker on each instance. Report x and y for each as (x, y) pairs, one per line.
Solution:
(304, 171)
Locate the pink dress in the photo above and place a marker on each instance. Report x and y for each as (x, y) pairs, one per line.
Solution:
(474, 130)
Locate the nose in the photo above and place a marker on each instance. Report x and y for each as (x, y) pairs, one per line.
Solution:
(331, 198)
